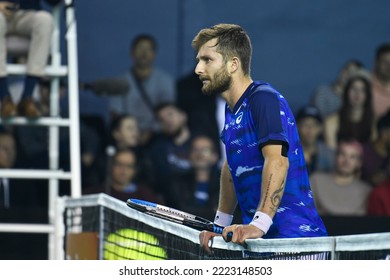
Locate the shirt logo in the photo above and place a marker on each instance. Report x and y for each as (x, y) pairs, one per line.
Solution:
(239, 118)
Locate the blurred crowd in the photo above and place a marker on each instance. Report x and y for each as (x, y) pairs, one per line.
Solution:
(162, 140)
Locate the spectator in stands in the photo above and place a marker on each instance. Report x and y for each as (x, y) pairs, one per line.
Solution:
(318, 156)
(197, 191)
(169, 150)
(379, 199)
(377, 154)
(124, 134)
(328, 98)
(123, 180)
(25, 18)
(342, 192)
(381, 80)
(355, 117)
(149, 86)
(33, 141)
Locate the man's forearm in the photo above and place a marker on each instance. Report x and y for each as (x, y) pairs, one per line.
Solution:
(227, 195)
(272, 185)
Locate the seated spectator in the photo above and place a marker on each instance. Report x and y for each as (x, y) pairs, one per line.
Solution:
(379, 199)
(377, 154)
(342, 192)
(381, 81)
(169, 151)
(328, 97)
(123, 182)
(148, 86)
(355, 117)
(24, 18)
(197, 191)
(125, 134)
(318, 156)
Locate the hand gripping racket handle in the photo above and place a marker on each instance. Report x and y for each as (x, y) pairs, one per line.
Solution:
(218, 229)
(187, 219)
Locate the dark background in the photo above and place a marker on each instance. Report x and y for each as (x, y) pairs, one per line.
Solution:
(297, 45)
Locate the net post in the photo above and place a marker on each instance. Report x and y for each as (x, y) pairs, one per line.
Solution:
(101, 232)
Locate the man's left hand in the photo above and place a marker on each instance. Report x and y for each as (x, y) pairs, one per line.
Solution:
(241, 233)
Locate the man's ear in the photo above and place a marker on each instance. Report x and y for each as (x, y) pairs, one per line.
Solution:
(234, 64)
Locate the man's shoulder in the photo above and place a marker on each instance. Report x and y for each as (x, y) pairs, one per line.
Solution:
(320, 176)
(162, 73)
(263, 90)
(363, 185)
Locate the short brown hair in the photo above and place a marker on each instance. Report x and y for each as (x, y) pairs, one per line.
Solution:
(232, 41)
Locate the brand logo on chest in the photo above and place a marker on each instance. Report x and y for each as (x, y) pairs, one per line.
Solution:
(239, 118)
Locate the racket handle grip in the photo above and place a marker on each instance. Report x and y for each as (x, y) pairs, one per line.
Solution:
(218, 229)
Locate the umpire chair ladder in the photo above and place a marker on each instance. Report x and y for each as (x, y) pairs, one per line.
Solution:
(55, 70)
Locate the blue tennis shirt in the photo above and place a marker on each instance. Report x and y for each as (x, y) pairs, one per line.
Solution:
(262, 116)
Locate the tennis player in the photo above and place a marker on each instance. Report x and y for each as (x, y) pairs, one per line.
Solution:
(265, 170)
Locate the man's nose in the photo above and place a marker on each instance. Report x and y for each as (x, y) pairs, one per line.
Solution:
(198, 69)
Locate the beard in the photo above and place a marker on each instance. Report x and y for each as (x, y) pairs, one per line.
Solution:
(221, 82)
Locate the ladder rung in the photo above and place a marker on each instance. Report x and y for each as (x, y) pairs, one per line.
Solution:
(27, 228)
(44, 121)
(35, 174)
(53, 71)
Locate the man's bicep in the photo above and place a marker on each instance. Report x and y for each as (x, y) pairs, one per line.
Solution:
(274, 148)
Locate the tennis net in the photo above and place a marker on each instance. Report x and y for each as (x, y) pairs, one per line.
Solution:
(119, 232)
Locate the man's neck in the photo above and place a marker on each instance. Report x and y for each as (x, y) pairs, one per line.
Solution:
(382, 80)
(202, 174)
(182, 136)
(237, 89)
(309, 148)
(343, 179)
(380, 146)
(357, 114)
(118, 187)
(142, 73)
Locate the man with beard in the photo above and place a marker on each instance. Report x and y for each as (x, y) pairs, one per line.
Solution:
(342, 192)
(265, 170)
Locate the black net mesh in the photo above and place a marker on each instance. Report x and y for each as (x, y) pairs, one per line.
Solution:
(126, 234)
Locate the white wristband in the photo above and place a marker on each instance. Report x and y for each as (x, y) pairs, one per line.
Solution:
(223, 219)
(262, 221)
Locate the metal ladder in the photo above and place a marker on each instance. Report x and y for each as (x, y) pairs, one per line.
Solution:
(55, 71)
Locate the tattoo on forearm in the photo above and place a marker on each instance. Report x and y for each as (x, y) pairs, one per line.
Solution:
(276, 197)
(266, 192)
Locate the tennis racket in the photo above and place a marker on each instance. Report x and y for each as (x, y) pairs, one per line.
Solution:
(174, 215)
